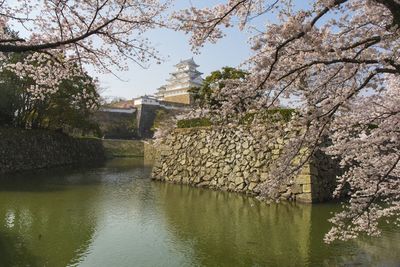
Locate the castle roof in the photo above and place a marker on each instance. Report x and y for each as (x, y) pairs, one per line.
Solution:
(181, 80)
(186, 62)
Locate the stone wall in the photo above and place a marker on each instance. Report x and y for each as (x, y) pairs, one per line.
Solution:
(33, 149)
(117, 125)
(145, 119)
(150, 152)
(234, 159)
(184, 99)
(123, 148)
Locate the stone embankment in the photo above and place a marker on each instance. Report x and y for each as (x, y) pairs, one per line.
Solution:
(34, 149)
(234, 159)
(115, 148)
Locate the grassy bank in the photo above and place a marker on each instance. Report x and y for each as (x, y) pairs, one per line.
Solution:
(123, 148)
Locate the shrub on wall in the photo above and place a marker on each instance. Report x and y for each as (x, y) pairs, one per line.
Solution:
(162, 115)
(196, 122)
(279, 114)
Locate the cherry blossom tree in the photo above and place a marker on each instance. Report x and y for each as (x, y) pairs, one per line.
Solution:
(339, 60)
(24, 104)
(96, 32)
(60, 35)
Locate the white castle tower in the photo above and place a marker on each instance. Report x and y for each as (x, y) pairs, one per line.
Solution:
(182, 79)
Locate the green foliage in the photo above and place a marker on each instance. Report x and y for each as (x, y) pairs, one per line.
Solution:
(8, 102)
(11, 91)
(372, 126)
(63, 110)
(161, 116)
(274, 115)
(196, 122)
(278, 114)
(204, 95)
(116, 125)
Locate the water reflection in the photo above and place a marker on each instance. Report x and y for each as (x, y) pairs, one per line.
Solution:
(233, 230)
(115, 216)
(45, 227)
(236, 230)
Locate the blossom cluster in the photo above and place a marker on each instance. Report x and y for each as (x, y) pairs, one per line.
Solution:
(103, 34)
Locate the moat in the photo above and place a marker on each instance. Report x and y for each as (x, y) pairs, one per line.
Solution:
(116, 216)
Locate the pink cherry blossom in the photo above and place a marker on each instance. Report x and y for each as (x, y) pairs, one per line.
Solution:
(105, 34)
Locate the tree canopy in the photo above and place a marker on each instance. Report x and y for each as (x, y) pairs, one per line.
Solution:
(206, 96)
(68, 106)
(340, 61)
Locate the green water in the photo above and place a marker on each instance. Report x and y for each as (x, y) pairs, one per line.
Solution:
(116, 216)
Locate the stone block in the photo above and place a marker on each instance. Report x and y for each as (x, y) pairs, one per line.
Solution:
(302, 179)
(204, 151)
(231, 187)
(207, 178)
(296, 189)
(239, 180)
(245, 145)
(240, 187)
(283, 188)
(246, 151)
(296, 161)
(236, 168)
(263, 176)
(254, 178)
(258, 164)
(227, 170)
(276, 152)
(307, 188)
(177, 146)
(309, 169)
(197, 179)
(286, 195)
(203, 184)
(213, 172)
(177, 179)
(165, 152)
(252, 186)
(215, 153)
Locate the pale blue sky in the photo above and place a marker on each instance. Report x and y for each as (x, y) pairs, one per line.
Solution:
(230, 51)
(174, 46)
